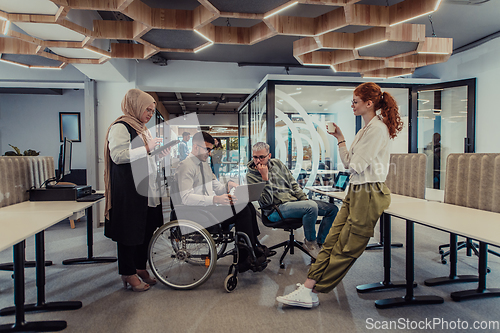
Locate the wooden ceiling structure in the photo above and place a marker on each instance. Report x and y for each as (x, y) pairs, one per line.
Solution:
(388, 47)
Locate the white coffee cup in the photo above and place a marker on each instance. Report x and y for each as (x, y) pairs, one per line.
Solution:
(330, 127)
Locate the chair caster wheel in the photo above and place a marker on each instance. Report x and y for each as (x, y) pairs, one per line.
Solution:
(444, 262)
(230, 282)
(441, 252)
(282, 266)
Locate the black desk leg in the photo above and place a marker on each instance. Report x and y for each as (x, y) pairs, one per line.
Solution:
(409, 298)
(453, 277)
(386, 284)
(481, 290)
(90, 243)
(381, 243)
(21, 325)
(40, 285)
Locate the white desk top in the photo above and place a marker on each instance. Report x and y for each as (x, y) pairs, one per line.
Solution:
(49, 206)
(16, 226)
(477, 224)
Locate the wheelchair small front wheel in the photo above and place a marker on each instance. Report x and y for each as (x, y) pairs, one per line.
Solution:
(182, 254)
(230, 282)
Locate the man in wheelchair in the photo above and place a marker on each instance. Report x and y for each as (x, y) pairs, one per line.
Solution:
(199, 188)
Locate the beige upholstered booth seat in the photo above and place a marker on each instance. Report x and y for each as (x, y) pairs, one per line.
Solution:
(473, 180)
(19, 173)
(407, 175)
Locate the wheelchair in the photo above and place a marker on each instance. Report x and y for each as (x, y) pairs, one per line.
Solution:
(183, 254)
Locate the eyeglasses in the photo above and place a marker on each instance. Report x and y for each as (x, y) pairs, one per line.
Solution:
(206, 148)
(261, 157)
(150, 111)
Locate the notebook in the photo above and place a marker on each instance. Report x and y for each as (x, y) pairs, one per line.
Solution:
(339, 185)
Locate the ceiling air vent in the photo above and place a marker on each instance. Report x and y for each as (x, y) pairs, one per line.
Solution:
(467, 2)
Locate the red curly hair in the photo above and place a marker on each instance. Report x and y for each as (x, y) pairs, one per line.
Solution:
(384, 101)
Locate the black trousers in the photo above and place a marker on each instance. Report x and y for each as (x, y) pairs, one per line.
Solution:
(245, 220)
(134, 257)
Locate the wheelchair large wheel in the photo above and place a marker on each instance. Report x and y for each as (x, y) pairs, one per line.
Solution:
(182, 254)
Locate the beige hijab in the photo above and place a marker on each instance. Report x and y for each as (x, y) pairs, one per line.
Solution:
(134, 104)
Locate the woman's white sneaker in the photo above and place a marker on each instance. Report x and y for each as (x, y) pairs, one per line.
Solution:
(302, 296)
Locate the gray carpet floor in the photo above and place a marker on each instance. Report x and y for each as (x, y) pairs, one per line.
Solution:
(252, 307)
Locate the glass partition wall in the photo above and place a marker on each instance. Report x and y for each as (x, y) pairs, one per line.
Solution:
(300, 110)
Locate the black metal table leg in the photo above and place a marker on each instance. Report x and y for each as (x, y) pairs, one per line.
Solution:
(20, 324)
(481, 291)
(409, 298)
(41, 305)
(90, 243)
(386, 284)
(380, 244)
(453, 277)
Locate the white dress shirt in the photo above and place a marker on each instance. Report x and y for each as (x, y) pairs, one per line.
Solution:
(121, 152)
(190, 182)
(368, 157)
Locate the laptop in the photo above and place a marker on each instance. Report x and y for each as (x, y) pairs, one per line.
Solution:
(339, 185)
(249, 192)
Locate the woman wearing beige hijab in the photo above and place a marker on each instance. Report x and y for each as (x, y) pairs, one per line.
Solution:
(133, 206)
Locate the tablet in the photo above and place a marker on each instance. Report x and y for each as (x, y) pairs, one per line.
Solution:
(165, 146)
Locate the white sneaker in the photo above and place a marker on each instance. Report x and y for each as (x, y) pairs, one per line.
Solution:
(315, 299)
(302, 296)
(312, 247)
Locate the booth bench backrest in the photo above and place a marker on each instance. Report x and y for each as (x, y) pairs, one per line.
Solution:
(19, 173)
(406, 175)
(473, 180)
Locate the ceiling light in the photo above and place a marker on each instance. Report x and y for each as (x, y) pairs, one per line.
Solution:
(14, 63)
(45, 67)
(362, 47)
(462, 111)
(203, 47)
(325, 109)
(202, 35)
(429, 52)
(437, 5)
(412, 18)
(345, 89)
(95, 51)
(373, 77)
(295, 93)
(423, 110)
(299, 88)
(282, 9)
(306, 64)
(6, 28)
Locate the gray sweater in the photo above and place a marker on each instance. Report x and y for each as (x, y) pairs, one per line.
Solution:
(280, 188)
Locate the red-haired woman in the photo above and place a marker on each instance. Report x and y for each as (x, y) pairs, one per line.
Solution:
(367, 197)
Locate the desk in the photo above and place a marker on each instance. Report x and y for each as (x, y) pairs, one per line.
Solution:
(73, 206)
(449, 218)
(16, 227)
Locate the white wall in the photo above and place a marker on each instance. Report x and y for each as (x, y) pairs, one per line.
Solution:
(32, 122)
(482, 62)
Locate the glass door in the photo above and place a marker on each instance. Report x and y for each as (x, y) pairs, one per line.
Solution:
(445, 122)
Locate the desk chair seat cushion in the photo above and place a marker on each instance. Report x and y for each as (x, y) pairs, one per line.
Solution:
(290, 223)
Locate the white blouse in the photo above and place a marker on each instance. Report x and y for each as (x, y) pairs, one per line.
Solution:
(121, 152)
(368, 157)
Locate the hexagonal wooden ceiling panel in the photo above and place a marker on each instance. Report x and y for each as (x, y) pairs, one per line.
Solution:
(355, 36)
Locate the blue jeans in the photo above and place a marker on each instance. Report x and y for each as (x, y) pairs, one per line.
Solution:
(309, 210)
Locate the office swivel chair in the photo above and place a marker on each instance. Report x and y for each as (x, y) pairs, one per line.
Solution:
(289, 225)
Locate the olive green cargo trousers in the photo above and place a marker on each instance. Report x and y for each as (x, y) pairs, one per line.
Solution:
(349, 234)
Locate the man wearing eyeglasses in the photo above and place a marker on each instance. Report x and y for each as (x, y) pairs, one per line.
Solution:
(198, 186)
(283, 191)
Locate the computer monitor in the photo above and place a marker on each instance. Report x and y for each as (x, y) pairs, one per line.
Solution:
(65, 158)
